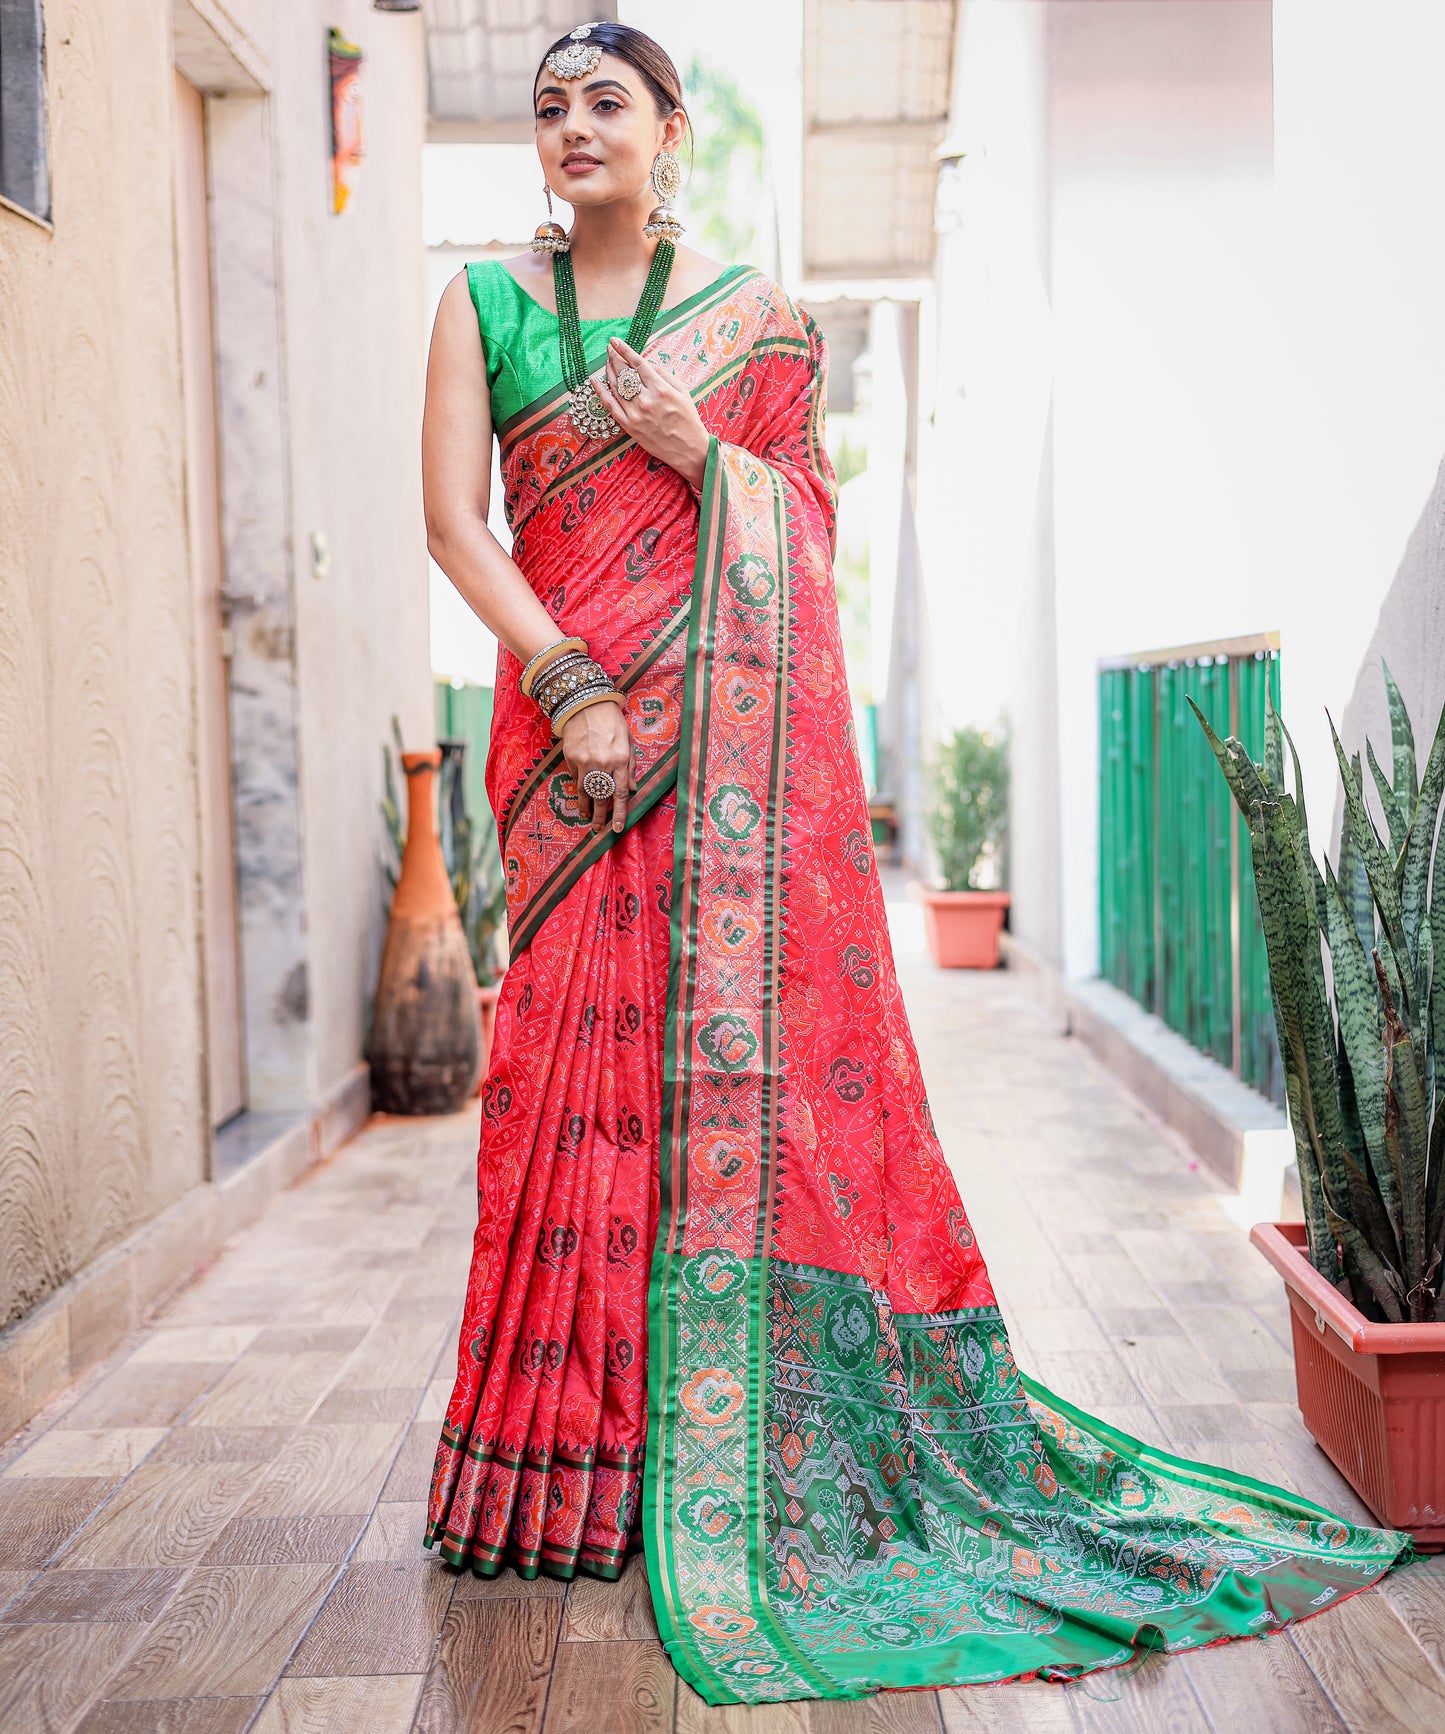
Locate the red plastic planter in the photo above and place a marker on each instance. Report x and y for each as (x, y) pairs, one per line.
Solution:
(1372, 1395)
(963, 926)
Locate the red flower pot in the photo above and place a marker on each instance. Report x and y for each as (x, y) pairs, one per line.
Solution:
(962, 926)
(1372, 1395)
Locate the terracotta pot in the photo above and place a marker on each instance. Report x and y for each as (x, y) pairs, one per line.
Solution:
(425, 1030)
(487, 998)
(962, 926)
(1372, 1395)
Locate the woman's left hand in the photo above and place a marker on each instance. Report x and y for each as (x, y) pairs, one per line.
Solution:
(662, 417)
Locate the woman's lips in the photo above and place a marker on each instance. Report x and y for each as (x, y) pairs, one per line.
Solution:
(580, 165)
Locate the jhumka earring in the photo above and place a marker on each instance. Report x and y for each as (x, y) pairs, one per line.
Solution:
(551, 237)
(666, 182)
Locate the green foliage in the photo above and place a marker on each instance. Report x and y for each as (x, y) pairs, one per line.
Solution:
(968, 806)
(727, 174)
(1362, 1053)
(849, 460)
(470, 851)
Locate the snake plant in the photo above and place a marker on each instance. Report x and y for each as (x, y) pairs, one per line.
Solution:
(1361, 1051)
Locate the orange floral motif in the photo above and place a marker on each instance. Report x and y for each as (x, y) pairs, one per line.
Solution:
(720, 1623)
(653, 712)
(726, 1161)
(741, 693)
(711, 1397)
(730, 926)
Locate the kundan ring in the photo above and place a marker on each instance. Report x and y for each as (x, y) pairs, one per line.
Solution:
(629, 382)
(599, 784)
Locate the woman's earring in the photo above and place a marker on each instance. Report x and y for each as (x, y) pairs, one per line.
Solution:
(551, 237)
(666, 182)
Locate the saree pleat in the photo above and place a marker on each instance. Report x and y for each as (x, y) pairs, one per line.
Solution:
(725, 1296)
(544, 1468)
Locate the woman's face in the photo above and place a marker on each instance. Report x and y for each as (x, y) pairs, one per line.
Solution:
(597, 135)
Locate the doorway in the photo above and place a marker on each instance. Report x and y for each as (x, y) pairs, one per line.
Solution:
(221, 962)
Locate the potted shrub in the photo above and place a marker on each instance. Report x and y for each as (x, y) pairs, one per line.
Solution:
(1365, 1272)
(967, 814)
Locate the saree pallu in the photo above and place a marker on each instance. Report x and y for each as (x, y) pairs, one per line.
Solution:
(704, 1100)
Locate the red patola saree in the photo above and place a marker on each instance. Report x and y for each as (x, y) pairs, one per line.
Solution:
(724, 1291)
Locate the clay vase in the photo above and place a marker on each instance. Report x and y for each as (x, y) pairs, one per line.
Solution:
(425, 1031)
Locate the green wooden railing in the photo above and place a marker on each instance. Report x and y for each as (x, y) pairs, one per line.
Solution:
(1179, 928)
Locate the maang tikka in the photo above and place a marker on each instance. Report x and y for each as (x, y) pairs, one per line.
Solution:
(578, 60)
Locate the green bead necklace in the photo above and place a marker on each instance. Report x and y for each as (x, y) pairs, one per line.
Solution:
(590, 415)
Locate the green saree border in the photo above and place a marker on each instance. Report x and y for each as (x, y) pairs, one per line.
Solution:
(653, 786)
(672, 1168)
(671, 628)
(1187, 1469)
(510, 430)
(659, 1463)
(605, 454)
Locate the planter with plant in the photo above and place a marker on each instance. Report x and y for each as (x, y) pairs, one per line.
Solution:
(1365, 1272)
(968, 818)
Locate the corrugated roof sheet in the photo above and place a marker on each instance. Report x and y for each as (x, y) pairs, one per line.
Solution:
(876, 82)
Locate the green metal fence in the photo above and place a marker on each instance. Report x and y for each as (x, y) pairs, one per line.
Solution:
(1179, 927)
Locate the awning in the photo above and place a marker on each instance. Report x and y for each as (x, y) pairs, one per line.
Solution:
(482, 56)
(876, 84)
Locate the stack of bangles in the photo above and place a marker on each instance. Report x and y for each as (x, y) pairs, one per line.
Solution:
(563, 679)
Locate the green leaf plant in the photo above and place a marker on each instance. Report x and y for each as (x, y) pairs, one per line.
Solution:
(968, 806)
(1361, 1048)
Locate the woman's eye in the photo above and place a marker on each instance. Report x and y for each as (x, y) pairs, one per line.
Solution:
(609, 102)
(547, 113)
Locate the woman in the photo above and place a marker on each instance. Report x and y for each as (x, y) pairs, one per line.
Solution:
(724, 1291)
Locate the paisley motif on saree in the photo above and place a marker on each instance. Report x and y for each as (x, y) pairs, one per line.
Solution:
(846, 1482)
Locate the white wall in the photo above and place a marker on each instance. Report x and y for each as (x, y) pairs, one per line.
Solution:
(353, 299)
(1244, 267)
(1165, 515)
(103, 1120)
(1360, 178)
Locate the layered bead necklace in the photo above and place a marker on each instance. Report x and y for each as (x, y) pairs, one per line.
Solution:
(590, 416)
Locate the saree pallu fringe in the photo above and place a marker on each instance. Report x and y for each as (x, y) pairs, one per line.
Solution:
(724, 1286)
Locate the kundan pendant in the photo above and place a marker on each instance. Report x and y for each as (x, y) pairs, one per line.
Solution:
(589, 414)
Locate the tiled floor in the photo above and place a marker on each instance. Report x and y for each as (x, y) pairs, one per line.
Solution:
(219, 1530)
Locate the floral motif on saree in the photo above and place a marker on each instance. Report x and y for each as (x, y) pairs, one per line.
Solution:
(845, 1481)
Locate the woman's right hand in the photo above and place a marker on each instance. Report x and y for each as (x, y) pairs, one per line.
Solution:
(598, 739)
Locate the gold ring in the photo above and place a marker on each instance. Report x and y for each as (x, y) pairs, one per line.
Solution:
(629, 382)
(599, 784)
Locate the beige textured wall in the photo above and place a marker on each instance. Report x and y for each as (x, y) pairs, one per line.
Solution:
(102, 1114)
(100, 1076)
(356, 349)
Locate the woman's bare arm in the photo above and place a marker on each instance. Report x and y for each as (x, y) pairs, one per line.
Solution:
(456, 475)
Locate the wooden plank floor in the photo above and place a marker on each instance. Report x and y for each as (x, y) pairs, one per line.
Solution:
(219, 1530)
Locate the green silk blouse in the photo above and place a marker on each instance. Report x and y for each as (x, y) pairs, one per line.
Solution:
(519, 336)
